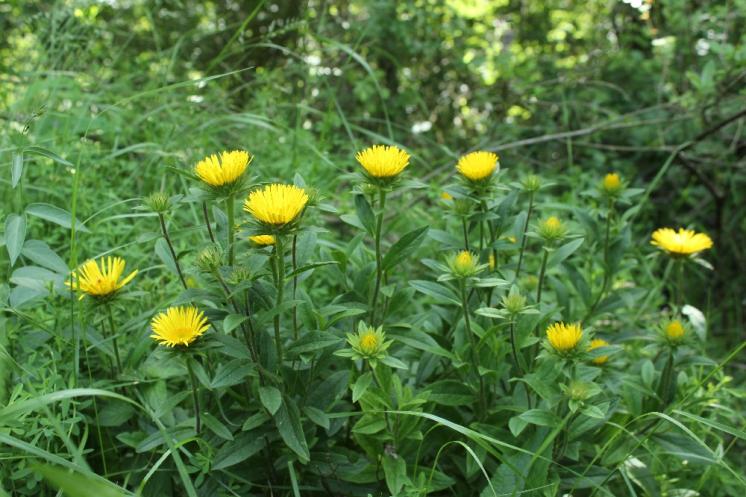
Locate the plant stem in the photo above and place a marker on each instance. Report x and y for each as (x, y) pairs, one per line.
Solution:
(523, 235)
(679, 285)
(466, 233)
(515, 350)
(541, 275)
(607, 269)
(114, 338)
(295, 287)
(164, 230)
(665, 393)
(230, 212)
(472, 346)
(195, 395)
(207, 221)
(280, 267)
(379, 258)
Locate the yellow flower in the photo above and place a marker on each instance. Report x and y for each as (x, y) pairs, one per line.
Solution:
(564, 337)
(685, 242)
(596, 343)
(552, 229)
(477, 166)
(224, 169)
(381, 161)
(102, 278)
(674, 330)
(463, 264)
(611, 184)
(370, 341)
(263, 239)
(446, 196)
(179, 326)
(276, 204)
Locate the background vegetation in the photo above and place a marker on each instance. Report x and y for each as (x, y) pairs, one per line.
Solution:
(101, 101)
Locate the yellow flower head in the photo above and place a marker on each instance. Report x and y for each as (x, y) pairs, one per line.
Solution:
(263, 239)
(596, 343)
(446, 196)
(564, 337)
(276, 204)
(463, 264)
(685, 242)
(552, 229)
(477, 166)
(611, 184)
(102, 278)
(382, 161)
(370, 341)
(674, 330)
(224, 169)
(179, 326)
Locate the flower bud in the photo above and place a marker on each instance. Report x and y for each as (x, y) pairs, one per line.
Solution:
(210, 259)
(531, 183)
(463, 264)
(612, 184)
(514, 302)
(158, 202)
(674, 331)
(552, 229)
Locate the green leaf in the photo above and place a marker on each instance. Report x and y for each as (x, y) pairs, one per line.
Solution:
(255, 421)
(564, 252)
(540, 417)
(365, 214)
(439, 292)
(271, 399)
(49, 155)
(231, 373)
(40, 253)
(288, 424)
(244, 446)
(361, 385)
(309, 267)
(233, 321)
(55, 215)
(404, 247)
(15, 234)
(78, 485)
(395, 472)
(164, 254)
(313, 340)
(16, 168)
(318, 416)
(216, 426)
(369, 424)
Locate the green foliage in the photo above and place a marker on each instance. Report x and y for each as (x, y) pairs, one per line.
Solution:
(350, 357)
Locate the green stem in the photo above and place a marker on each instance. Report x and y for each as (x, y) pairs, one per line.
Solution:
(513, 347)
(280, 267)
(679, 285)
(379, 257)
(665, 390)
(473, 347)
(607, 269)
(195, 395)
(466, 233)
(523, 235)
(114, 338)
(207, 221)
(230, 212)
(541, 275)
(164, 230)
(295, 287)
